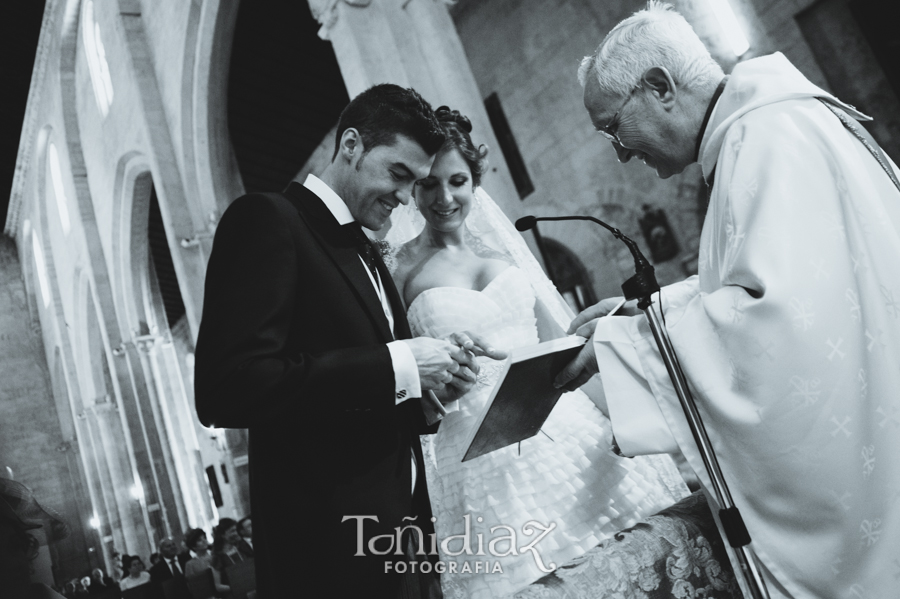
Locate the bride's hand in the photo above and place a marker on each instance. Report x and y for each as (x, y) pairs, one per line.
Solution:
(476, 344)
(471, 345)
(585, 322)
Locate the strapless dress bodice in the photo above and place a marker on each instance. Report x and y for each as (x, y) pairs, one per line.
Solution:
(502, 312)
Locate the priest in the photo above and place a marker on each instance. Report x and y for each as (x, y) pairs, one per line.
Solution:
(790, 335)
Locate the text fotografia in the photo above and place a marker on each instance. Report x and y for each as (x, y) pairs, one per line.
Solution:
(498, 545)
(467, 567)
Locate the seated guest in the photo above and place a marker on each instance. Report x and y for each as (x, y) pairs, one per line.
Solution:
(69, 589)
(196, 541)
(225, 552)
(100, 582)
(171, 562)
(245, 530)
(137, 576)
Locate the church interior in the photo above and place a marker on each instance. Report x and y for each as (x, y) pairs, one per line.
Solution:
(146, 118)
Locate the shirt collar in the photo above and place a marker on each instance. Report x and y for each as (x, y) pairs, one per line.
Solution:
(332, 201)
(709, 110)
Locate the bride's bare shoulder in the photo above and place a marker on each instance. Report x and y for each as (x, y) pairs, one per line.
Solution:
(404, 257)
(494, 266)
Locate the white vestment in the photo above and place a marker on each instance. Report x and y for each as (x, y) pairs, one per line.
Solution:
(789, 339)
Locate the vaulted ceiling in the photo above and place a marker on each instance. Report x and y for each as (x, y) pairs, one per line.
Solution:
(285, 91)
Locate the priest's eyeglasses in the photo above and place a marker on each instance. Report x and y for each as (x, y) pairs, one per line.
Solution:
(610, 130)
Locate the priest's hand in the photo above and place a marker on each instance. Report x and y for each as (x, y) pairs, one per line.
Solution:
(585, 322)
(578, 371)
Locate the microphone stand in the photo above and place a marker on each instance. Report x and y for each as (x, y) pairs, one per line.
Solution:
(641, 287)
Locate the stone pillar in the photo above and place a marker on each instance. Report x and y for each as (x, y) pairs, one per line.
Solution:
(99, 505)
(152, 451)
(177, 436)
(414, 43)
(123, 523)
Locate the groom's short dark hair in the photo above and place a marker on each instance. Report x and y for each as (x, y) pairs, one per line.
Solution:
(383, 111)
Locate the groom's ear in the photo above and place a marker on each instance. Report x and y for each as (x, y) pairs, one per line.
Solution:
(351, 146)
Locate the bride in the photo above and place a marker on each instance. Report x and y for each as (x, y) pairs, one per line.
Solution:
(459, 265)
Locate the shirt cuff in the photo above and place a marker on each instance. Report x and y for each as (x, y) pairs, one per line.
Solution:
(638, 423)
(406, 373)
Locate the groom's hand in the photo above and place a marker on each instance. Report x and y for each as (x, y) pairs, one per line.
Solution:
(438, 361)
(462, 382)
(472, 345)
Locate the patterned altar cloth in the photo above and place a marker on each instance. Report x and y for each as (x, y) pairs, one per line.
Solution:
(676, 553)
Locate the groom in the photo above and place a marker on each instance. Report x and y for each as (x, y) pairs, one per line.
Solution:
(304, 341)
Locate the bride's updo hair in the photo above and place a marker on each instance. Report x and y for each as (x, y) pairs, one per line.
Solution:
(457, 128)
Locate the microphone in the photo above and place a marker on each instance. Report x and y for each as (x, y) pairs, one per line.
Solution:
(641, 264)
(526, 223)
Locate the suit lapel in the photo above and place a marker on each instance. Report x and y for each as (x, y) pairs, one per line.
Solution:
(342, 251)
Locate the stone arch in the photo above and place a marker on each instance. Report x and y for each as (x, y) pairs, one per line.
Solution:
(272, 133)
(152, 351)
(211, 173)
(131, 197)
(26, 252)
(101, 422)
(135, 516)
(569, 274)
(60, 362)
(182, 216)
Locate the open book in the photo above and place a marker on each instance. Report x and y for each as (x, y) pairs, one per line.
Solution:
(523, 397)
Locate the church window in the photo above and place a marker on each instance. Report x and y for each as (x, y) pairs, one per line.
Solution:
(732, 30)
(59, 191)
(96, 59)
(508, 146)
(43, 282)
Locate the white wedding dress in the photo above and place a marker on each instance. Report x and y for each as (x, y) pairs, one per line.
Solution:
(567, 476)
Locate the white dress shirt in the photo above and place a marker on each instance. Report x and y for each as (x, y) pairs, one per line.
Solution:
(174, 566)
(406, 372)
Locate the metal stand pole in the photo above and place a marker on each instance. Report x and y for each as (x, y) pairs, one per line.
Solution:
(732, 523)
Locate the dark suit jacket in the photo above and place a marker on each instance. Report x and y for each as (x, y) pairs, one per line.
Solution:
(245, 548)
(292, 345)
(160, 571)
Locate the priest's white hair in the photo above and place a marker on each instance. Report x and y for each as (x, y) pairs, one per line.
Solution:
(654, 37)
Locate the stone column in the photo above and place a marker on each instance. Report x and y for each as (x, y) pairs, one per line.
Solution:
(163, 497)
(414, 43)
(124, 522)
(175, 429)
(101, 509)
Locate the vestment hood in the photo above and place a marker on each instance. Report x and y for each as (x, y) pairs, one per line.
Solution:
(755, 83)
